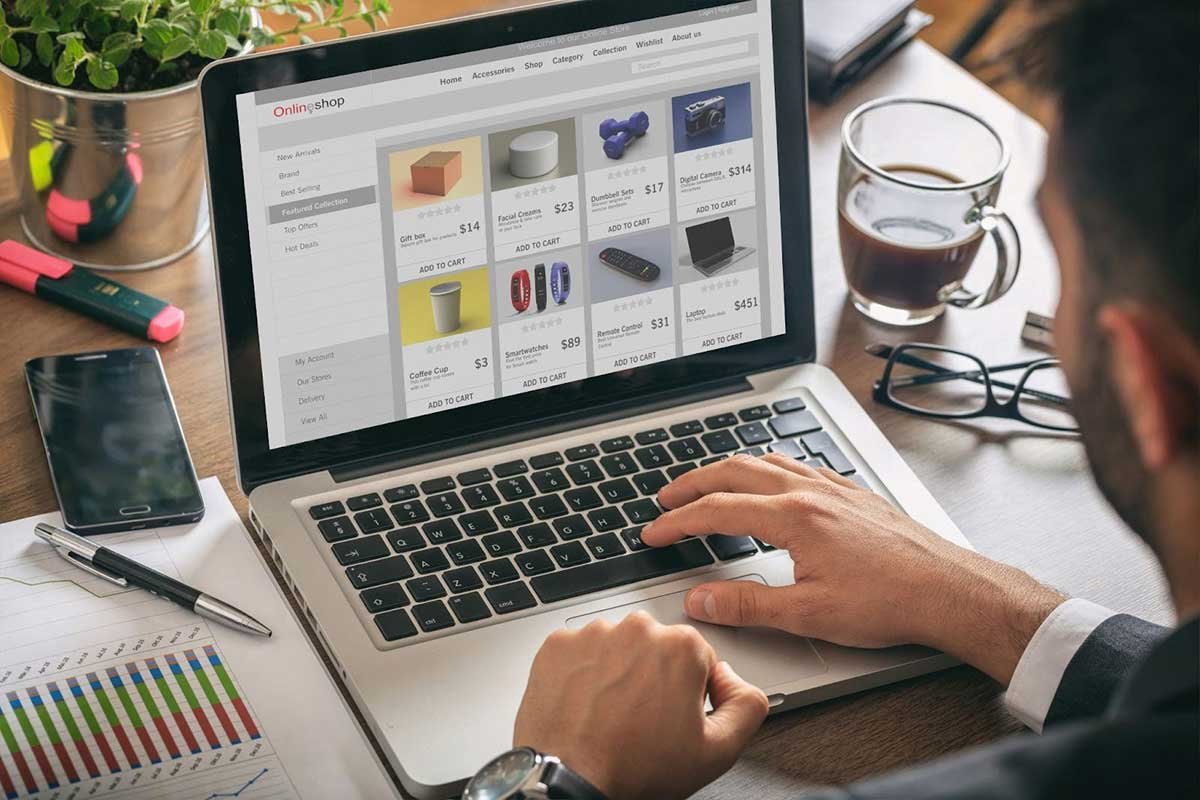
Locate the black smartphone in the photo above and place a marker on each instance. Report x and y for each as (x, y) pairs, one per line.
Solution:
(116, 451)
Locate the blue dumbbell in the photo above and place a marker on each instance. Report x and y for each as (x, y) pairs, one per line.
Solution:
(637, 124)
(614, 146)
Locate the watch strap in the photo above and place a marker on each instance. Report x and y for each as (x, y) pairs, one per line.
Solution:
(563, 783)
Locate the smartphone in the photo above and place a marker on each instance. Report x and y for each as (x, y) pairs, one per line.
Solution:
(117, 455)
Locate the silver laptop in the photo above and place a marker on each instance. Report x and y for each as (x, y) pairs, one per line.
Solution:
(711, 246)
(443, 481)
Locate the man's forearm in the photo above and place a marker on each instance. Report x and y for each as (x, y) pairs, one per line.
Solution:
(987, 614)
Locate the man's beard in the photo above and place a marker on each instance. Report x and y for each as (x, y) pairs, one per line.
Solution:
(1108, 439)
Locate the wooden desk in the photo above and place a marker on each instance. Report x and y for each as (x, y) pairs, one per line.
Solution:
(1020, 497)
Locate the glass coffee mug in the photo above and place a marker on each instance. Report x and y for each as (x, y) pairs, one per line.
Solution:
(917, 187)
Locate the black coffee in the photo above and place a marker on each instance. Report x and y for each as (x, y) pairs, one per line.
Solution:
(901, 247)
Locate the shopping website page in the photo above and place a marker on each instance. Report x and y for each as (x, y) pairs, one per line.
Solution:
(453, 231)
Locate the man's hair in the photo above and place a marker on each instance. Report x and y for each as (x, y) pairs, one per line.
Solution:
(1126, 81)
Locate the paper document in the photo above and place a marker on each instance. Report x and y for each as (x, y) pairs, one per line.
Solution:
(113, 692)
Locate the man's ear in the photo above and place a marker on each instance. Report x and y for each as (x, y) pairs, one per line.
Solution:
(1156, 368)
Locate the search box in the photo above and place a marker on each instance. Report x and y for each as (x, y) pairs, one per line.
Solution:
(692, 57)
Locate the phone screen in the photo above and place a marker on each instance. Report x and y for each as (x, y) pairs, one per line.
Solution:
(117, 454)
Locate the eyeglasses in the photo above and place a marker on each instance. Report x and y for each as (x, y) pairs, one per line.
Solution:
(941, 383)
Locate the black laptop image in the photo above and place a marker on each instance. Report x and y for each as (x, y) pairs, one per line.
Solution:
(712, 246)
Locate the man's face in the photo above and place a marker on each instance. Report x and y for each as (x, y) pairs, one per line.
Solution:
(1085, 353)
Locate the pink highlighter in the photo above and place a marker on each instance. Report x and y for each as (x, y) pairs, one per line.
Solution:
(84, 291)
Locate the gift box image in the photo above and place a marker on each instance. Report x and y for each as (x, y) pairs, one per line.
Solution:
(437, 172)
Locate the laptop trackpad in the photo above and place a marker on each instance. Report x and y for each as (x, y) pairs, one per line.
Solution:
(762, 656)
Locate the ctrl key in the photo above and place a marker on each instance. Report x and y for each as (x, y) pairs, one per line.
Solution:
(395, 625)
(432, 616)
(510, 597)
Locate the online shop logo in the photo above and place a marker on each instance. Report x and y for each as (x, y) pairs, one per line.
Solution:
(300, 109)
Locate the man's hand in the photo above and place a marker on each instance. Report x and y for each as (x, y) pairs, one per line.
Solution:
(623, 706)
(866, 574)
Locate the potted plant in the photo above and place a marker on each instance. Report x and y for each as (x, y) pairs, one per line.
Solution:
(104, 132)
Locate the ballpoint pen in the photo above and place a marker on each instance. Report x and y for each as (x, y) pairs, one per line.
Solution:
(121, 571)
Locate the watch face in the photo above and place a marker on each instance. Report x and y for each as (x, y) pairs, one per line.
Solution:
(503, 774)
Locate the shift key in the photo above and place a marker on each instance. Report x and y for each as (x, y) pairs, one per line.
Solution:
(374, 573)
(639, 566)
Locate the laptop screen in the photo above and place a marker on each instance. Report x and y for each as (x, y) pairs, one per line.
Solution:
(455, 231)
(708, 239)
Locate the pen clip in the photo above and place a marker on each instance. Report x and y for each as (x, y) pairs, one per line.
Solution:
(92, 568)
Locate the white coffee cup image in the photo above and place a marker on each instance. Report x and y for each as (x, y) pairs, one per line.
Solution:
(447, 305)
(533, 154)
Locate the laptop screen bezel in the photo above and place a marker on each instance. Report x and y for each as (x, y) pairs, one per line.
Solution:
(220, 84)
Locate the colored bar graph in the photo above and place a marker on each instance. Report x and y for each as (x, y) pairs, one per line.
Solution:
(152, 708)
(231, 691)
(14, 750)
(64, 711)
(93, 725)
(10, 791)
(110, 714)
(56, 742)
(139, 727)
(193, 703)
(164, 689)
(35, 747)
(211, 695)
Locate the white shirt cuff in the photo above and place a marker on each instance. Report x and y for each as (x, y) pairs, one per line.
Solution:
(1040, 670)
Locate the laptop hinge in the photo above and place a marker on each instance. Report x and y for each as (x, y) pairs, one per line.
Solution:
(594, 415)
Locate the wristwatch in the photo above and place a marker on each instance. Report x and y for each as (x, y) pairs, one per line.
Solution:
(539, 286)
(518, 290)
(560, 281)
(525, 774)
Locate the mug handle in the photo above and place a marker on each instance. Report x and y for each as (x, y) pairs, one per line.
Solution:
(1008, 259)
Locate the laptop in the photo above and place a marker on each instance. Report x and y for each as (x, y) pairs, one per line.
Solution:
(441, 484)
(711, 246)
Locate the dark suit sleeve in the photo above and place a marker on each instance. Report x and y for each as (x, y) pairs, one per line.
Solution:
(1104, 659)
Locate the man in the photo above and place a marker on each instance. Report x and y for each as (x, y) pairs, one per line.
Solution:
(623, 705)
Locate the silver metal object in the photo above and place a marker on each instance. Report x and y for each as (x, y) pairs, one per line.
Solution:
(107, 180)
(81, 552)
(210, 607)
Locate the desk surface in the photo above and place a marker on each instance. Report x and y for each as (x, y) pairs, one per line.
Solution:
(1059, 529)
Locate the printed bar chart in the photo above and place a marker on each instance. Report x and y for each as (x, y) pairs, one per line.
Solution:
(122, 717)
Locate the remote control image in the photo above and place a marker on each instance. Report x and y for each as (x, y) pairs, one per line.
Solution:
(634, 266)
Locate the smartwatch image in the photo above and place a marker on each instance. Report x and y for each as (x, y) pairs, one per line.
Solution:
(560, 282)
(518, 290)
(539, 286)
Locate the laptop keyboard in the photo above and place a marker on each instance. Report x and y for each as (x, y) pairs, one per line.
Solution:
(481, 544)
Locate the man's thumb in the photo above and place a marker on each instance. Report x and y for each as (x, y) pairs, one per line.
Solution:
(733, 603)
(738, 709)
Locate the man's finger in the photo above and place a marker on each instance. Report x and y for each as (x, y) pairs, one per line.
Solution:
(738, 710)
(737, 603)
(741, 474)
(733, 514)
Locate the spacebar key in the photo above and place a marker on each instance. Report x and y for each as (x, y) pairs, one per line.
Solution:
(598, 575)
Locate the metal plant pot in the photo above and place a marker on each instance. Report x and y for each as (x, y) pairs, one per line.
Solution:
(108, 180)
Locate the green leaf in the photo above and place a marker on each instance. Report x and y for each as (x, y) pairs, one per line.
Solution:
(178, 46)
(25, 57)
(227, 21)
(101, 73)
(211, 44)
(131, 8)
(261, 37)
(74, 50)
(370, 20)
(63, 38)
(45, 49)
(97, 28)
(29, 8)
(118, 47)
(305, 39)
(64, 72)
(43, 24)
(10, 54)
(318, 11)
(200, 7)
